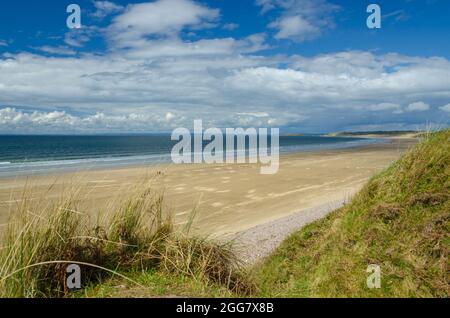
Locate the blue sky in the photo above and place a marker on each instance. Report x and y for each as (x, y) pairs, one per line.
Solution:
(301, 65)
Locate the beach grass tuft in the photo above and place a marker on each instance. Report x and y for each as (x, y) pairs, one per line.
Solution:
(43, 238)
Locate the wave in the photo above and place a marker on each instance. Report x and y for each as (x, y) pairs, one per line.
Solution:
(8, 168)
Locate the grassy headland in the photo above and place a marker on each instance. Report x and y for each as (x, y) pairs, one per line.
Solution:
(400, 221)
(378, 134)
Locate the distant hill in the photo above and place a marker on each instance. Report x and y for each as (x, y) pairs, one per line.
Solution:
(295, 135)
(387, 133)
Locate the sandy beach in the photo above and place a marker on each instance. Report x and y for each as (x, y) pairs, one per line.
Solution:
(228, 198)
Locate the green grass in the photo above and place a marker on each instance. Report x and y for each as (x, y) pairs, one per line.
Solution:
(155, 283)
(400, 221)
(135, 244)
(387, 133)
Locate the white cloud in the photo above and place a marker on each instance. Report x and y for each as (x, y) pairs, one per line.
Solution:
(230, 26)
(18, 121)
(221, 85)
(266, 5)
(392, 126)
(79, 37)
(105, 8)
(331, 83)
(21, 121)
(58, 50)
(260, 114)
(300, 19)
(445, 108)
(385, 106)
(417, 107)
(169, 116)
(398, 15)
(160, 18)
(150, 78)
(294, 27)
(3, 43)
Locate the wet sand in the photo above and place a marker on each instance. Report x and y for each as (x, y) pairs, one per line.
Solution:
(229, 198)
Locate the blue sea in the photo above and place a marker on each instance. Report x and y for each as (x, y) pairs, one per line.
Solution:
(34, 155)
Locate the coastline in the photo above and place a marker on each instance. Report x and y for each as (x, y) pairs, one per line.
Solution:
(228, 198)
(36, 165)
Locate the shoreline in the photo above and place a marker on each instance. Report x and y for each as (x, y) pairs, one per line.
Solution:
(230, 198)
(64, 166)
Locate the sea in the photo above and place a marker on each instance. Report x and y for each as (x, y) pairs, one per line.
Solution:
(37, 155)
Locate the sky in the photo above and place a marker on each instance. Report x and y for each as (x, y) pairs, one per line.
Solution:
(310, 66)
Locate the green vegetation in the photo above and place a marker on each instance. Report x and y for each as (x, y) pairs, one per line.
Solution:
(155, 283)
(387, 133)
(138, 246)
(400, 221)
(295, 135)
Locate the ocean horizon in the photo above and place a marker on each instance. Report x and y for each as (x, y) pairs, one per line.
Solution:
(27, 155)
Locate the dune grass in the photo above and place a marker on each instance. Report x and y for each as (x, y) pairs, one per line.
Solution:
(400, 221)
(41, 240)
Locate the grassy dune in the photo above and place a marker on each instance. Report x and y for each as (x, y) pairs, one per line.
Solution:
(135, 245)
(399, 221)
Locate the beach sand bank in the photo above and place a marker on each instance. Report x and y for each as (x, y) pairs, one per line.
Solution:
(229, 199)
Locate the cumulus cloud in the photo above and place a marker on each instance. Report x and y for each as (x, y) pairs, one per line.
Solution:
(230, 26)
(212, 85)
(159, 18)
(445, 108)
(105, 8)
(79, 37)
(295, 27)
(385, 106)
(417, 107)
(58, 50)
(300, 19)
(150, 78)
(348, 81)
(20, 121)
(393, 126)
